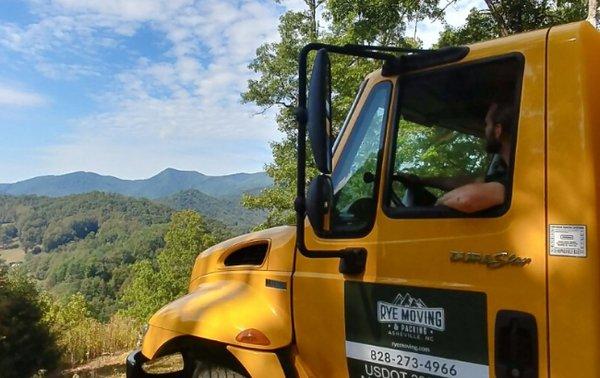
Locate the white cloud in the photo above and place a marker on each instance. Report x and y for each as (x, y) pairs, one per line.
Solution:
(15, 97)
(187, 99)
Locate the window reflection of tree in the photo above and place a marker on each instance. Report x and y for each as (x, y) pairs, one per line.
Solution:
(365, 161)
(431, 151)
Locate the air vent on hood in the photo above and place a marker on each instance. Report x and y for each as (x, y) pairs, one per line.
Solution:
(250, 255)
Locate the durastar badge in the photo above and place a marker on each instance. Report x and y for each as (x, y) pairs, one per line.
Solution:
(493, 260)
(411, 311)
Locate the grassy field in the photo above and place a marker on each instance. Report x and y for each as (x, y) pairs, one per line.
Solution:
(14, 255)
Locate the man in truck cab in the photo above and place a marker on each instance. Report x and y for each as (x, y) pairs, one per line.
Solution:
(470, 194)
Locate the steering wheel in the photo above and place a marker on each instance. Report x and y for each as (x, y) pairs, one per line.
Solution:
(415, 195)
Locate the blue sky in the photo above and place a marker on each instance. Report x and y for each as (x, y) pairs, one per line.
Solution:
(130, 87)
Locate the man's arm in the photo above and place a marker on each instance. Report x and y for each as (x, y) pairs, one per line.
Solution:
(443, 183)
(448, 183)
(474, 197)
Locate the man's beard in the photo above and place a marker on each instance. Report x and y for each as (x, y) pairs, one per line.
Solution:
(493, 146)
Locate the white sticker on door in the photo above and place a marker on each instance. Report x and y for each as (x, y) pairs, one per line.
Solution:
(568, 240)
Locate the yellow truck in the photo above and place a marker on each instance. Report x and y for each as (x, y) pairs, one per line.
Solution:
(452, 230)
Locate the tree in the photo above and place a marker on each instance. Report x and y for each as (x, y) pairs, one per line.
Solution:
(154, 285)
(361, 22)
(593, 12)
(501, 18)
(65, 230)
(26, 344)
(380, 22)
(8, 233)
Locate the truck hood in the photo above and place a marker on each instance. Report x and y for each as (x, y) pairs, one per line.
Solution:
(271, 249)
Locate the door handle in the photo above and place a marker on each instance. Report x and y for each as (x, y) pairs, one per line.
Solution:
(516, 351)
(353, 261)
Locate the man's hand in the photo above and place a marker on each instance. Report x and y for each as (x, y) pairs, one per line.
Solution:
(474, 197)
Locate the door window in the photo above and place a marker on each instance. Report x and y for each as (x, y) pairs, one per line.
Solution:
(354, 176)
(454, 141)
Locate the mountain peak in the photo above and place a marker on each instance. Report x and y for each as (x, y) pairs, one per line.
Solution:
(174, 171)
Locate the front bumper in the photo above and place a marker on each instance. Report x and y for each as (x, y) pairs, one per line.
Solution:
(134, 369)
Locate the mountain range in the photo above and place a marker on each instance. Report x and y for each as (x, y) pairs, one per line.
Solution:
(164, 184)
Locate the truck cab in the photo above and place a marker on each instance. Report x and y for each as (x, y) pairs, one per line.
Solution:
(379, 278)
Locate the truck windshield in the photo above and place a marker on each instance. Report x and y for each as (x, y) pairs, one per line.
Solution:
(354, 174)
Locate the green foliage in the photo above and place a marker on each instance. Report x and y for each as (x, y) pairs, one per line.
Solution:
(53, 222)
(512, 16)
(479, 26)
(26, 344)
(381, 22)
(38, 332)
(91, 242)
(278, 199)
(222, 213)
(141, 298)
(156, 284)
(63, 231)
(435, 151)
(91, 239)
(7, 233)
(81, 337)
(98, 266)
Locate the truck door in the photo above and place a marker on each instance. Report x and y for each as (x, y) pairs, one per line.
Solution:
(445, 293)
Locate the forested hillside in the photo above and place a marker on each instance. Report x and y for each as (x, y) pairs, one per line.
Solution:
(227, 210)
(48, 223)
(84, 243)
(96, 267)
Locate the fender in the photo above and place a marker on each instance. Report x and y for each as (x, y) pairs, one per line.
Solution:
(224, 305)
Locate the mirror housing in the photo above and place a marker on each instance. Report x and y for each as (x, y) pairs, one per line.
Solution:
(319, 112)
(319, 201)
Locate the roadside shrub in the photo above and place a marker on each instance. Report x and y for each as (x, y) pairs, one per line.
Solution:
(8, 233)
(26, 343)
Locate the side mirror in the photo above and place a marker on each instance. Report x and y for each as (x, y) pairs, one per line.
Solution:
(319, 111)
(318, 202)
